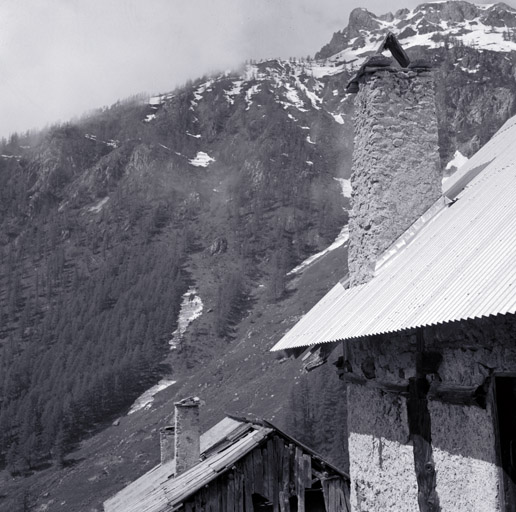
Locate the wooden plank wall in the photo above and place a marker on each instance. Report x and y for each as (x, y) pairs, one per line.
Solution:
(336, 495)
(275, 470)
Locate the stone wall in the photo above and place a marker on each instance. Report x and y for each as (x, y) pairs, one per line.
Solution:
(396, 171)
(465, 458)
(380, 452)
(463, 437)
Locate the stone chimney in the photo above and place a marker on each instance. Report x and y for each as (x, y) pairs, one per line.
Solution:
(167, 440)
(187, 434)
(396, 169)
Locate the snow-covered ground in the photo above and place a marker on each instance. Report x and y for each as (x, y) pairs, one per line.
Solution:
(144, 401)
(202, 159)
(191, 308)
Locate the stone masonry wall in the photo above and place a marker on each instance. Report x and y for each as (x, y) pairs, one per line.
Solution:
(396, 170)
(462, 437)
(465, 458)
(380, 453)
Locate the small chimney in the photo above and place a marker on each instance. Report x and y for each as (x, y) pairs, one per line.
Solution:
(167, 440)
(396, 168)
(187, 434)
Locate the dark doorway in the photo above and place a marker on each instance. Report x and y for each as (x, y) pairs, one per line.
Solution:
(314, 500)
(261, 504)
(506, 416)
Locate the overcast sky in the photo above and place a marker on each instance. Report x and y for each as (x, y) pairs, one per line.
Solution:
(60, 58)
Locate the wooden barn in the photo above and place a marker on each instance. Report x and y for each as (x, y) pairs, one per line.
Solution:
(425, 320)
(236, 466)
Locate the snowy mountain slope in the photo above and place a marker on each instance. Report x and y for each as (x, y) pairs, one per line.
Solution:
(430, 25)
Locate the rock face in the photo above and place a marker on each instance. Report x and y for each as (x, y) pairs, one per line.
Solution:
(396, 173)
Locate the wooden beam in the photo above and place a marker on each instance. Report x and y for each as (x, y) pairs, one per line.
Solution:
(393, 45)
(460, 395)
(389, 387)
(317, 356)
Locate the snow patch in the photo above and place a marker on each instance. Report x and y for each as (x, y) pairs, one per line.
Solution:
(457, 161)
(111, 142)
(149, 118)
(98, 207)
(309, 140)
(198, 136)
(198, 93)
(338, 118)
(345, 186)
(250, 93)
(235, 91)
(294, 98)
(191, 308)
(314, 99)
(202, 159)
(145, 400)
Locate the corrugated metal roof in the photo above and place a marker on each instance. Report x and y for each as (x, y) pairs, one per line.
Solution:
(158, 490)
(458, 264)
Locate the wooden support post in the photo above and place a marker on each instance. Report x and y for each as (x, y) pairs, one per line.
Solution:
(300, 480)
(420, 433)
(248, 483)
(258, 471)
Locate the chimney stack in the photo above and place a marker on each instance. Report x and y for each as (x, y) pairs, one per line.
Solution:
(187, 434)
(396, 168)
(167, 440)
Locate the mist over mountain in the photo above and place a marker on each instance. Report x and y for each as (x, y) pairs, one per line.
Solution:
(172, 240)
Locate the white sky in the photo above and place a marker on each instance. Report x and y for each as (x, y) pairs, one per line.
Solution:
(60, 58)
